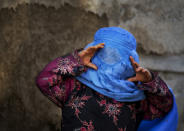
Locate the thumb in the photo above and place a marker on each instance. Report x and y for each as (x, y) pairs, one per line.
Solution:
(132, 79)
(92, 66)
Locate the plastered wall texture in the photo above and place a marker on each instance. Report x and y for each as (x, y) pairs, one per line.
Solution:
(34, 32)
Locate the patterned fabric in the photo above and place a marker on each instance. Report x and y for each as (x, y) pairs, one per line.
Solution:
(84, 109)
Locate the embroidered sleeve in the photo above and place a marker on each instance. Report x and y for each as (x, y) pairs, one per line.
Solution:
(159, 99)
(56, 80)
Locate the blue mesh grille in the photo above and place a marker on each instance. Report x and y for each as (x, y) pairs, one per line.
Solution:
(109, 55)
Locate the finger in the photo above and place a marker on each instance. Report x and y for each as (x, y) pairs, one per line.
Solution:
(131, 59)
(139, 69)
(93, 49)
(89, 49)
(101, 45)
(148, 74)
(145, 71)
(96, 47)
(91, 65)
(134, 64)
(132, 79)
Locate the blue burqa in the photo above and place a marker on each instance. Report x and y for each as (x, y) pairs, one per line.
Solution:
(114, 67)
(167, 123)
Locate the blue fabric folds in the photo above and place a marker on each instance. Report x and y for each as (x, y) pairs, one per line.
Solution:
(114, 66)
(167, 123)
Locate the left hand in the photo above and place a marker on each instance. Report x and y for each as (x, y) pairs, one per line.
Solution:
(88, 53)
(142, 74)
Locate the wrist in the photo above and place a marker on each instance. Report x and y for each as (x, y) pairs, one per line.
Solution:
(78, 56)
(152, 77)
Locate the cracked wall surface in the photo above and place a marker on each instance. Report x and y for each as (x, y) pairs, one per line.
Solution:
(33, 32)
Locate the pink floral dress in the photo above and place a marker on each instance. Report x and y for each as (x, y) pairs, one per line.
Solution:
(84, 109)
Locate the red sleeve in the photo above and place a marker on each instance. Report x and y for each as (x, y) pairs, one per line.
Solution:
(56, 80)
(159, 99)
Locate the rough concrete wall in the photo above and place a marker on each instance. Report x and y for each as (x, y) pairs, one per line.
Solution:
(30, 37)
(33, 32)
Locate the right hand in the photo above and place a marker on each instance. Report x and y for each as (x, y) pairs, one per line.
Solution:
(142, 74)
(88, 53)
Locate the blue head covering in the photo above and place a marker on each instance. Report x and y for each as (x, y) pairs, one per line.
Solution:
(167, 123)
(114, 66)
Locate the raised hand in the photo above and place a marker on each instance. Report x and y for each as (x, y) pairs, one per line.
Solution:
(142, 74)
(87, 54)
